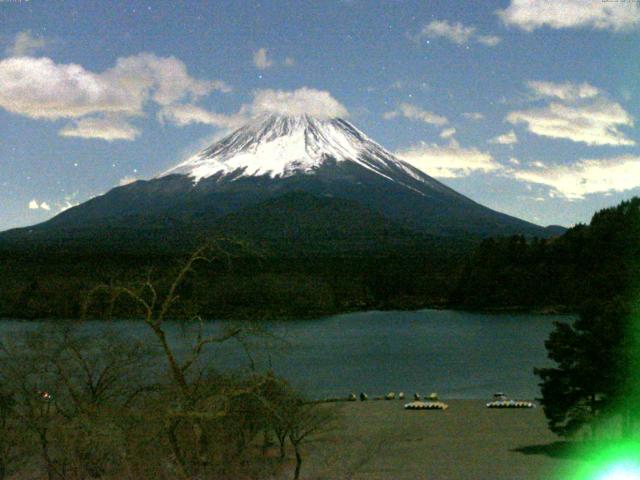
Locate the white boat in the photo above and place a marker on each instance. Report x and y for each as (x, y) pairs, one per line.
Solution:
(500, 400)
(418, 405)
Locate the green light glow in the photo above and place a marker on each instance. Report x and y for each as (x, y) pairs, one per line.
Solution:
(619, 461)
(621, 471)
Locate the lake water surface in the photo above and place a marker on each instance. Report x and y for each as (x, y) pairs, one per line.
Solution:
(457, 354)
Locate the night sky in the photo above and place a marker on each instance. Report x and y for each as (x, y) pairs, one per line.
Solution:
(529, 107)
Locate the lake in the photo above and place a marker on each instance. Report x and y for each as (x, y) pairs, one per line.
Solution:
(457, 354)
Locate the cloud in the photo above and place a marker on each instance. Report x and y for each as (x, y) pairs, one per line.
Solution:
(456, 33)
(317, 103)
(488, 40)
(68, 202)
(67, 205)
(34, 205)
(594, 124)
(165, 79)
(261, 59)
(42, 89)
(473, 116)
(564, 91)
(25, 44)
(598, 14)
(585, 177)
(413, 112)
(447, 133)
(127, 180)
(449, 161)
(108, 128)
(583, 114)
(186, 114)
(508, 138)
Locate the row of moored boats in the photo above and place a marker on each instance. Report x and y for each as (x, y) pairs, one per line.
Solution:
(432, 402)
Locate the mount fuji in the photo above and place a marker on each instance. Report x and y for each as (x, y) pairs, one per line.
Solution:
(285, 177)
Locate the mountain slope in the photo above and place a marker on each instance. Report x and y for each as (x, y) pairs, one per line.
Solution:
(300, 223)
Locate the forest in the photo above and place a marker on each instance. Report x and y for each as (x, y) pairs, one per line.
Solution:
(264, 280)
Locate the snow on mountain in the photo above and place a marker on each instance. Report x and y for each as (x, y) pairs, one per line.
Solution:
(280, 146)
(274, 157)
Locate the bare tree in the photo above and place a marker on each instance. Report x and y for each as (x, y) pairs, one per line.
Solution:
(308, 420)
(10, 441)
(69, 391)
(94, 404)
(197, 403)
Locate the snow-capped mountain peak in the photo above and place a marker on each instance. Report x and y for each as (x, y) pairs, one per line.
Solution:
(295, 159)
(282, 146)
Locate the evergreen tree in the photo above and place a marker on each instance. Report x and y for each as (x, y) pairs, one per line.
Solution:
(592, 357)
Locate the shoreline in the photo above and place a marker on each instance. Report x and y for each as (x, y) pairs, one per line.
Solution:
(551, 310)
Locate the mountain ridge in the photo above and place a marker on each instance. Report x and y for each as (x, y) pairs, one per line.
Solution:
(275, 155)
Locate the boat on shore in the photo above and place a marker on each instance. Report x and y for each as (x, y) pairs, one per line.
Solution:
(500, 400)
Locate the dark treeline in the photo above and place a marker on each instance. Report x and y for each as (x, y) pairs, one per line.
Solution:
(304, 280)
(593, 384)
(48, 284)
(594, 261)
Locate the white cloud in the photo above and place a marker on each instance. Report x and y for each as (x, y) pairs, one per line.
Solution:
(165, 78)
(456, 33)
(514, 161)
(317, 103)
(261, 59)
(35, 205)
(413, 112)
(107, 128)
(581, 113)
(585, 177)
(42, 89)
(67, 205)
(594, 124)
(25, 44)
(599, 14)
(447, 133)
(186, 114)
(473, 116)
(449, 161)
(68, 202)
(488, 40)
(508, 138)
(127, 180)
(566, 91)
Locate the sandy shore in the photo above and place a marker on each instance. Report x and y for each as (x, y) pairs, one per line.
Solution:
(381, 440)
